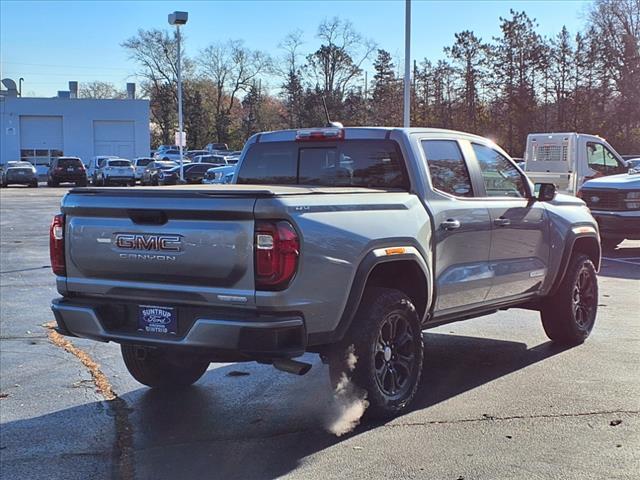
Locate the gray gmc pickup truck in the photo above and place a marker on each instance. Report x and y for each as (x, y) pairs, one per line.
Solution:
(346, 242)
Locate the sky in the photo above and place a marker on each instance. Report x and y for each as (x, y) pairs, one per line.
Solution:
(49, 43)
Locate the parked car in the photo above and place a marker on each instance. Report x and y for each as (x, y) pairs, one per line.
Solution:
(150, 174)
(634, 165)
(208, 158)
(342, 242)
(94, 164)
(217, 175)
(163, 148)
(216, 147)
(116, 171)
(569, 159)
(19, 173)
(171, 155)
(67, 170)
(140, 164)
(191, 154)
(193, 173)
(615, 204)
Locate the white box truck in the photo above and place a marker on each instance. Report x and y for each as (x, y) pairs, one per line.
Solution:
(570, 159)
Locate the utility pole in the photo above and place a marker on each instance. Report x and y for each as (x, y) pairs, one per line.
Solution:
(177, 19)
(407, 64)
(180, 106)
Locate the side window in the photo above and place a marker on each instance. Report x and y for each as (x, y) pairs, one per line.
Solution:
(447, 168)
(601, 159)
(501, 178)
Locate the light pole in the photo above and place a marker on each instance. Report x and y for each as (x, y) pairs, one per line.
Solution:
(407, 64)
(177, 19)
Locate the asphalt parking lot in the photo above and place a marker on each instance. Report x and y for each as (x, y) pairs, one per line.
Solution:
(497, 399)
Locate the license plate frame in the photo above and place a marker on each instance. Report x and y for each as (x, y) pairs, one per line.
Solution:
(158, 319)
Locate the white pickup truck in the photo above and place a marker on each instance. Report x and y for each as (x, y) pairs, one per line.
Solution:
(569, 159)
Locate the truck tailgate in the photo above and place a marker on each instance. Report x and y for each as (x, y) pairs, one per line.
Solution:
(164, 245)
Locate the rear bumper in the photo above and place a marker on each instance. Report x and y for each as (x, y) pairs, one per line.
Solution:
(621, 225)
(20, 180)
(69, 178)
(118, 179)
(253, 335)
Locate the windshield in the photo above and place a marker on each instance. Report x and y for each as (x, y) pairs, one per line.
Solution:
(143, 162)
(119, 163)
(354, 163)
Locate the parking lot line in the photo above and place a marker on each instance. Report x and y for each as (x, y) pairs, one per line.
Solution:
(625, 260)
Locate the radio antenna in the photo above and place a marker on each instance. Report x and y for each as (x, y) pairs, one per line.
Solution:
(326, 111)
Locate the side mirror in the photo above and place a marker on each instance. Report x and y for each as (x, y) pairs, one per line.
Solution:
(545, 192)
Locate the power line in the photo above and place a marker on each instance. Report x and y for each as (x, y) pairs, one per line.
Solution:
(66, 66)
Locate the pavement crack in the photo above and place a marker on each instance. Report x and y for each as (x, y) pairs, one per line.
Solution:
(123, 447)
(491, 418)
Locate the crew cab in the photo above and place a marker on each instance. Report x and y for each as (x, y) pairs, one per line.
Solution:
(345, 242)
(569, 159)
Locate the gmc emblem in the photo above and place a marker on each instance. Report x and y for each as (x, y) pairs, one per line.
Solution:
(148, 241)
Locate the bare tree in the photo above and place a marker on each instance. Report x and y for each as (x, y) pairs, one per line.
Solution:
(100, 89)
(233, 68)
(339, 59)
(156, 53)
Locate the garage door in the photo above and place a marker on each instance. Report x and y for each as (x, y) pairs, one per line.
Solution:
(114, 138)
(40, 138)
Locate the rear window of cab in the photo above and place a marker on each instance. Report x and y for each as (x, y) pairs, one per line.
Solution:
(349, 163)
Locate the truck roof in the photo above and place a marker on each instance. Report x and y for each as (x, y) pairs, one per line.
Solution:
(553, 135)
(365, 133)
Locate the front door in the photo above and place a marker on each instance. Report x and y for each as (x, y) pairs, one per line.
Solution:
(462, 230)
(519, 229)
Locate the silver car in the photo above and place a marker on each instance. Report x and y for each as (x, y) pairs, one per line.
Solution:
(115, 170)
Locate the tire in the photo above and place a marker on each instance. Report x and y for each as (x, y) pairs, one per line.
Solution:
(568, 316)
(34, 184)
(610, 243)
(387, 370)
(158, 368)
(81, 184)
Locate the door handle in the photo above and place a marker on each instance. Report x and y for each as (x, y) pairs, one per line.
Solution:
(502, 222)
(450, 224)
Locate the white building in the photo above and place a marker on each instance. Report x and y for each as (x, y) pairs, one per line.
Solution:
(37, 129)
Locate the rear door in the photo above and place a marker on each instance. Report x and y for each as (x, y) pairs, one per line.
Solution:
(462, 229)
(519, 228)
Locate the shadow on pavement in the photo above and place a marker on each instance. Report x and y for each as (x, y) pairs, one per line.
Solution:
(258, 423)
(622, 262)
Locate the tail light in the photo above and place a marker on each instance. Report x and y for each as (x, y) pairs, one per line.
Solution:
(277, 249)
(56, 245)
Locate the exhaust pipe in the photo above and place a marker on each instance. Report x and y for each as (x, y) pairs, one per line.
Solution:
(291, 366)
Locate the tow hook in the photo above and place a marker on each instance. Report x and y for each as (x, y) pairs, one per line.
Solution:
(291, 366)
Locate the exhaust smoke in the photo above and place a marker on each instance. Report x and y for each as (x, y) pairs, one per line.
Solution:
(349, 402)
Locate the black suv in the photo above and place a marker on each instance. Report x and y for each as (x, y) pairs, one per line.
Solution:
(67, 170)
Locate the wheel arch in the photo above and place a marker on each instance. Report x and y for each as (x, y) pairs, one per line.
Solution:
(405, 271)
(588, 244)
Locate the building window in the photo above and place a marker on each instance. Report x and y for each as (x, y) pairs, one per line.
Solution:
(39, 156)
